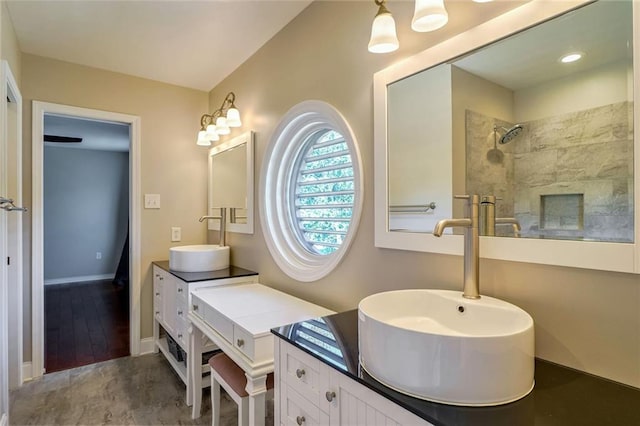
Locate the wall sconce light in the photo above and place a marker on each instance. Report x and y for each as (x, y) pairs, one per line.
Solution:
(212, 126)
(429, 15)
(383, 31)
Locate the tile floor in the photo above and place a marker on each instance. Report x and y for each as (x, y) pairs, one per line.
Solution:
(125, 391)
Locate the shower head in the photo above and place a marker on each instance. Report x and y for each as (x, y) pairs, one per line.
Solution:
(509, 134)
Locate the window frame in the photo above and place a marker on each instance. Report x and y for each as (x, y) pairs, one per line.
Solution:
(281, 162)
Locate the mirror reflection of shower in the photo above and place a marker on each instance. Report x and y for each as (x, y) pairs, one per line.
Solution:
(494, 155)
(508, 134)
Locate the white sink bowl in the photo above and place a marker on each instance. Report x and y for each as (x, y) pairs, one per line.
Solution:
(438, 346)
(198, 258)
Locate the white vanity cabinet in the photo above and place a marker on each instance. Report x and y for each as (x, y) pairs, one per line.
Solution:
(170, 304)
(309, 392)
(171, 298)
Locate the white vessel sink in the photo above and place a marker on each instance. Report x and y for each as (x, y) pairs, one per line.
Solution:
(437, 345)
(198, 258)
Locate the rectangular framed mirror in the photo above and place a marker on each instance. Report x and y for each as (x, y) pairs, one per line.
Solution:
(496, 111)
(231, 183)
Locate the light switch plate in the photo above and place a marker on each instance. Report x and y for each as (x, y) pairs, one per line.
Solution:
(176, 234)
(151, 201)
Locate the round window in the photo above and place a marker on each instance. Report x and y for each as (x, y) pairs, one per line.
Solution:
(312, 191)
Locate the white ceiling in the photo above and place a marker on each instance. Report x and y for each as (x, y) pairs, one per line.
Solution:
(600, 31)
(191, 43)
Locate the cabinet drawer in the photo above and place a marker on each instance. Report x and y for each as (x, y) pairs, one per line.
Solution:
(216, 320)
(302, 373)
(157, 293)
(257, 349)
(296, 410)
(243, 341)
(182, 289)
(181, 309)
(157, 304)
(181, 332)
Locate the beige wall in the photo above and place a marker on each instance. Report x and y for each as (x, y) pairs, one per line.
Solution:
(9, 46)
(584, 319)
(171, 164)
(596, 87)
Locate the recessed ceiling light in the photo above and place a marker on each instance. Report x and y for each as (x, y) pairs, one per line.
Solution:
(571, 57)
(482, 1)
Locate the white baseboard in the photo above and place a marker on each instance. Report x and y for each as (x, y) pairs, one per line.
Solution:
(147, 346)
(4, 420)
(79, 279)
(27, 371)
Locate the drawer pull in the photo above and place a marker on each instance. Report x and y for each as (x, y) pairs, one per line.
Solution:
(179, 335)
(161, 278)
(179, 289)
(240, 343)
(157, 312)
(300, 420)
(195, 307)
(180, 312)
(330, 395)
(157, 293)
(300, 372)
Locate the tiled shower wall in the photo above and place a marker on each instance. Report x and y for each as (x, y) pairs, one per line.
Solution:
(586, 154)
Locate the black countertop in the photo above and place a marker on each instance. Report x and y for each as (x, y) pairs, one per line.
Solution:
(190, 277)
(561, 396)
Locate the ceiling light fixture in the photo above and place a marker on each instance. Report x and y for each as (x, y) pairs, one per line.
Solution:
(571, 57)
(383, 31)
(429, 15)
(219, 123)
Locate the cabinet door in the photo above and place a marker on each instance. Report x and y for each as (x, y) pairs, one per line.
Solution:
(158, 280)
(169, 312)
(356, 405)
(297, 410)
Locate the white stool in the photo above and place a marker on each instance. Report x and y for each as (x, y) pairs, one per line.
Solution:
(226, 373)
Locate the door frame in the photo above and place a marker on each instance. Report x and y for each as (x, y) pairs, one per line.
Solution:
(8, 90)
(13, 152)
(37, 217)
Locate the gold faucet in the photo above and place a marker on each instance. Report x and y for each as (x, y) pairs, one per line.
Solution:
(488, 219)
(223, 225)
(471, 288)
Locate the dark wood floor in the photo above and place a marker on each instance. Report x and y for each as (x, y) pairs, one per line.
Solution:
(85, 323)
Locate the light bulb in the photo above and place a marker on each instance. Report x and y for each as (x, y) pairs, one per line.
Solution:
(233, 118)
(221, 126)
(571, 57)
(429, 15)
(383, 33)
(211, 134)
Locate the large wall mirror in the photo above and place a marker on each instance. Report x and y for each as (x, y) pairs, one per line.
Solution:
(231, 183)
(500, 111)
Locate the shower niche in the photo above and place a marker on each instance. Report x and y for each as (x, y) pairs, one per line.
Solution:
(562, 215)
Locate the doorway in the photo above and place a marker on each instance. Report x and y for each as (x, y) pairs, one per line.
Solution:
(86, 213)
(43, 114)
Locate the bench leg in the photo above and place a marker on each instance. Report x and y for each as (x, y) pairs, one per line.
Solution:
(215, 402)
